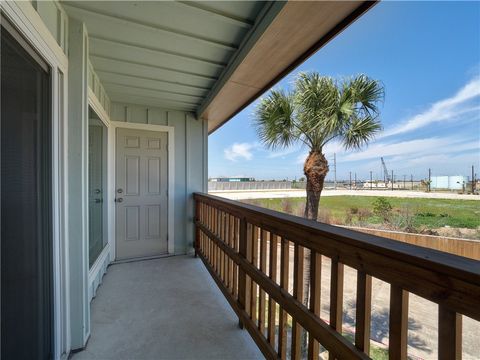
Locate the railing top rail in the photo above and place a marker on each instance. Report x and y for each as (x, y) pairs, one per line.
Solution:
(463, 268)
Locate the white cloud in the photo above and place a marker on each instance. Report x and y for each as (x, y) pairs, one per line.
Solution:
(415, 148)
(444, 110)
(239, 151)
(276, 154)
(301, 158)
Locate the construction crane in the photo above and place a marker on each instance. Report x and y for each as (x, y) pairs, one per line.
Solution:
(385, 171)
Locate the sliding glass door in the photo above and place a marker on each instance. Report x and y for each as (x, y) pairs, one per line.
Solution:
(26, 246)
(97, 136)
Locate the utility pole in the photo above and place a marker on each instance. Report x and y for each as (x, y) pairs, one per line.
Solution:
(350, 180)
(473, 180)
(411, 180)
(371, 181)
(392, 180)
(429, 179)
(355, 181)
(334, 171)
(404, 177)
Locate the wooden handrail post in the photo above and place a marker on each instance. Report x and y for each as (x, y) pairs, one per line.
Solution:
(449, 334)
(197, 231)
(398, 334)
(242, 277)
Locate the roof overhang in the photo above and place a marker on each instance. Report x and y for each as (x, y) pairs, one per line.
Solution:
(212, 58)
(297, 30)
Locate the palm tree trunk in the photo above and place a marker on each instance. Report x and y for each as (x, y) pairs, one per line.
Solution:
(315, 169)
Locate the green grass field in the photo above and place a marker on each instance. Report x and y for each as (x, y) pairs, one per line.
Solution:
(357, 210)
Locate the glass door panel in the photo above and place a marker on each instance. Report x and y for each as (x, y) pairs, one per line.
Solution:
(97, 133)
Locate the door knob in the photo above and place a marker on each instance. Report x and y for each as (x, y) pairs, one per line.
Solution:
(119, 200)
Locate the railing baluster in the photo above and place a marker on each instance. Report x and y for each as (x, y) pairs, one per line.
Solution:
(231, 235)
(363, 311)
(298, 262)
(235, 247)
(254, 261)
(263, 267)
(224, 239)
(315, 288)
(397, 341)
(449, 334)
(272, 306)
(215, 231)
(242, 276)
(284, 264)
(248, 299)
(336, 296)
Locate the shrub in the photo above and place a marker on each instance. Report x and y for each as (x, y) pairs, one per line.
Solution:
(363, 214)
(324, 215)
(382, 208)
(354, 210)
(405, 220)
(287, 206)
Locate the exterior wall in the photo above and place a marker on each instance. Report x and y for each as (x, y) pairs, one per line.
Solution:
(55, 35)
(190, 161)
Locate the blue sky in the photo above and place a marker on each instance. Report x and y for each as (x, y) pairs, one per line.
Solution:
(427, 54)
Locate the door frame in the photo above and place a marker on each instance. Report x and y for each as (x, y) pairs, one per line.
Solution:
(170, 130)
(30, 26)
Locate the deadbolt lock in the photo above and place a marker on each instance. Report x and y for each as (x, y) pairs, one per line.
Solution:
(120, 191)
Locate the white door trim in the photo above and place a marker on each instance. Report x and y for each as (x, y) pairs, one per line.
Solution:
(28, 23)
(171, 173)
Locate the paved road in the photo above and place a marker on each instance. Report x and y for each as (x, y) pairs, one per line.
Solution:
(268, 194)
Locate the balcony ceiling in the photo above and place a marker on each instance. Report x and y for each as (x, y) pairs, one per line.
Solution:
(210, 57)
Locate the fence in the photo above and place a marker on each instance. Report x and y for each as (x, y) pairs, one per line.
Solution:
(462, 247)
(248, 185)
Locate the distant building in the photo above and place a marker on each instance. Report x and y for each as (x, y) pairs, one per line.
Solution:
(449, 182)
(232, 179)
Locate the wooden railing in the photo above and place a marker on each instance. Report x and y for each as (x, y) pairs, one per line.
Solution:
(246, 249)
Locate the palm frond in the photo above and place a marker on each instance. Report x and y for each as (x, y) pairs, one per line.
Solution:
(360, 131)
(321, 109)
(274, 120)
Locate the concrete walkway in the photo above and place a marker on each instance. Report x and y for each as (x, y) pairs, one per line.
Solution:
(290, 193)
(166, 308)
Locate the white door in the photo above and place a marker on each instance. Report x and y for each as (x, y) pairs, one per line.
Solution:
(141, 193)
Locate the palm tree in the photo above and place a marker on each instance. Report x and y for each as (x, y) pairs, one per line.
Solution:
(317, 111)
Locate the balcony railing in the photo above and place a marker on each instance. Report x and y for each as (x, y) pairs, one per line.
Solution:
(246, 249)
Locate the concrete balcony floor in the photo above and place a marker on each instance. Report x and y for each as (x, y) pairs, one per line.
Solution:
(167, 308)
